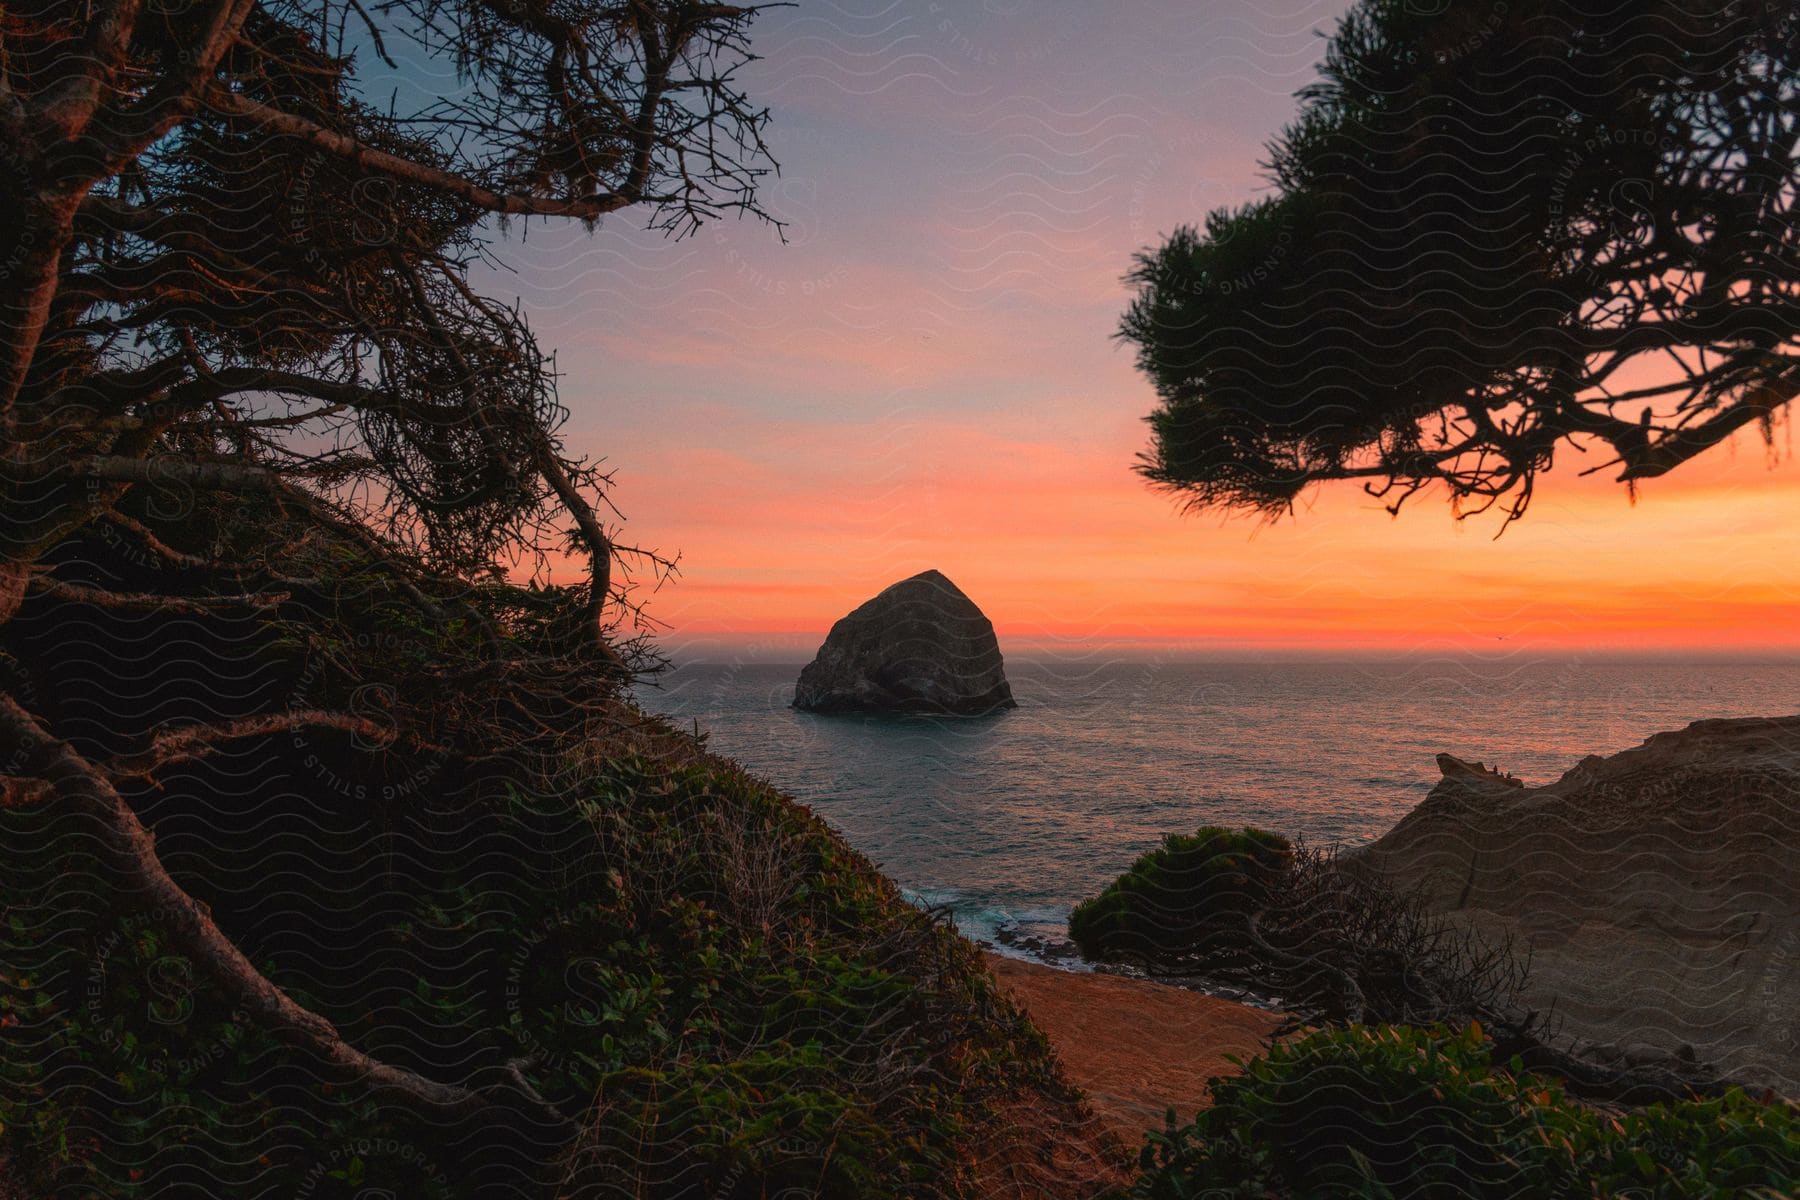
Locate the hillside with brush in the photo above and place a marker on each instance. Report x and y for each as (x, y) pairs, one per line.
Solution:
(623, 965)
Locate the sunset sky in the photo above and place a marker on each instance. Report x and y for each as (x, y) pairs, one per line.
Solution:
(925, 375)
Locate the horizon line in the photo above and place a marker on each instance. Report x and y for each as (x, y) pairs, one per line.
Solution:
(751, 655)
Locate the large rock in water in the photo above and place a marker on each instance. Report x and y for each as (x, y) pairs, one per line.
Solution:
(1658, 890)
(919, 646)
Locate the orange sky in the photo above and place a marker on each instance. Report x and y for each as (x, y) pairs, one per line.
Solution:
(925, 375)
(1068, 551)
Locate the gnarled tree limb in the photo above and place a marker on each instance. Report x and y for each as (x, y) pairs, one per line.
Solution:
(147, 886)
(189, 742)
(188, 606)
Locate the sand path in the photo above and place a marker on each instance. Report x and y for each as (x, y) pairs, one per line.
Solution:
(1133, 1046)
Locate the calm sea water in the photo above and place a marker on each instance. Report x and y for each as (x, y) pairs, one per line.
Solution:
(1010, 820)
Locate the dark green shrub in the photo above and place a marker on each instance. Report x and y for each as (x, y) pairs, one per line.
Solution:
(1731, 1145)
(1189, 896)
(1336, 942)
(1372, 1111)
(1398, 1112)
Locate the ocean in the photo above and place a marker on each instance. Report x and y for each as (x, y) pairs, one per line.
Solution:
(1010, 820)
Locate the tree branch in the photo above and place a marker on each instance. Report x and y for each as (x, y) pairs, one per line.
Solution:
(1758, 403)
(191, 742)
(187, 606)
(413, 171)
(147, 886)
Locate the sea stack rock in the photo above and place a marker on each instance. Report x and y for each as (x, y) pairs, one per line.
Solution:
(919, 646)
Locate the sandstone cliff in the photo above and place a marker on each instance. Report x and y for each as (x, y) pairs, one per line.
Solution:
(1658, 889)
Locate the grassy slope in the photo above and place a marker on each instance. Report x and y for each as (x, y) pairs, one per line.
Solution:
(727, 998)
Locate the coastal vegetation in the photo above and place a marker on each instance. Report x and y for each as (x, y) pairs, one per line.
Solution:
(1407, 1112)
(1335, 943)
(337, 858)
(598, 956)
(1497, 232)
(1191, 899)
(1408, 1064)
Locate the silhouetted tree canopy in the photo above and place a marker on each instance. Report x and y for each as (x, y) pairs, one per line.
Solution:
(1497, 230)
(245, 381)
(224, 263)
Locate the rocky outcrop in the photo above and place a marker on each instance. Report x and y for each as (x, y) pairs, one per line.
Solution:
(1658, 890)
(919, 646)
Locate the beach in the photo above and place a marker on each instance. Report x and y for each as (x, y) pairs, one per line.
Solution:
(1134, 1046)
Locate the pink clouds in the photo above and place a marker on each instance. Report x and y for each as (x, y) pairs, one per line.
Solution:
(926, 374)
